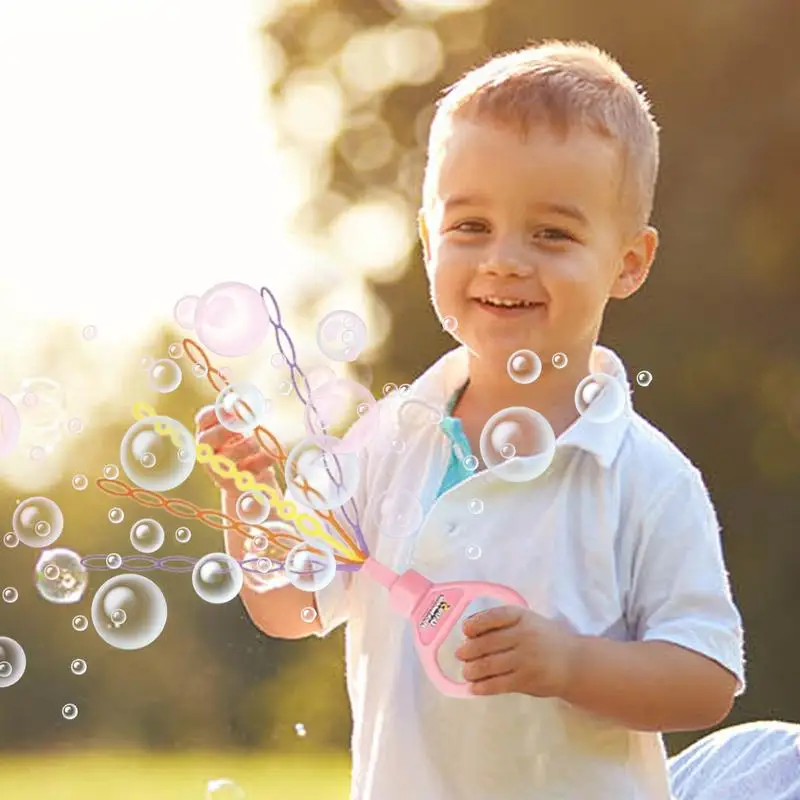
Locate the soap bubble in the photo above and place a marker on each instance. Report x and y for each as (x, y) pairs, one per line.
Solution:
(524, 366)
(80, 482)
(217, 578)
(341, 335)
(185, 310)
(80, 623)
(111, 472)
(113, 560)
(41, 404)
(388, 388)
(473, 552)
(230, 319)
(11, 539)
(600, 397)
(450, 324)
(10, 594)
(343, 404)
(37, 521)
(223, 789)
(308, 614)
(9, 426)
(147, 535)
(75, 426)
(310, 566)
(240, 407)
(69, 711)
(60, 577)
(470, 463)
(260, 573)
(199, 370)
(174, 454)
(183, 535)
(12, 662)
(78, 666)
(90, 332)
(175, 350)
(644, 378)
(400, 513)
(332, 479)
(165, 376)
(116, 515)
(252, 507)
(560, 360)
(300, 729)
(476, 506)
(531, 436)
(140, 601)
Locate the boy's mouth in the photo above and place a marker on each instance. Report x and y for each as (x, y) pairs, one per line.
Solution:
(507, 306)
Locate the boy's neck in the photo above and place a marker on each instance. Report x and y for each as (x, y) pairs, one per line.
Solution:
(552, 394)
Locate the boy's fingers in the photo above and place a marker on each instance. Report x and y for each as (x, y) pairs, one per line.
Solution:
(206, 418)
(218, 437)
(239, 449)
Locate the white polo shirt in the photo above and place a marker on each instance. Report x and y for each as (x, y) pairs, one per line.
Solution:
(618, 537)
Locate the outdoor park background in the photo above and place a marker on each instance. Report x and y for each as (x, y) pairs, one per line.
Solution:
(152, 149)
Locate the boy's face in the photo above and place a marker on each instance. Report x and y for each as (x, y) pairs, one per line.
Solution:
(535, 220)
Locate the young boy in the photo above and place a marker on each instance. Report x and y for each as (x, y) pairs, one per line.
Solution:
(539, 187)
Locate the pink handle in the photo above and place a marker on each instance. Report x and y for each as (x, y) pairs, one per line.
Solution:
(434, 609)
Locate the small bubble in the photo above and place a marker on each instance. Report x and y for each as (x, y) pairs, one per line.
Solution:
(52, 572)
(148, 460)
(113, 560)
(508, 451)
(388, 388)
(348, 337)
(116, 515)
(79, 482)
(277, 360)
(473, 552)
(42, 528)
(90, 332)
(184, 455)
(524, 366)
(308, 614)
(5, 669)
(199, 370)
(475, 506)
(78, 666)
(450, 324)
(80, 623)
(175, 350)
(300, 729)
(285, 388)
(403, 389)
(146, 362)
(11, 539)
(10, 594)
(263, 565)
(470, 463)
(69, 711)
(182, 535)
(259, 542)
(398, 445)
(111, 471)
(559, 360)
(75, 426)
(37, 453)
(362, 409)
(118, 618)
(644, 378)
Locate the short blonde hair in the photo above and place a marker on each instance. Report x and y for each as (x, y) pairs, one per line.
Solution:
(561, 84)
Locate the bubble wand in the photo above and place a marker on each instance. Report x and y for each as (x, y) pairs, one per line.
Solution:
(432, 608)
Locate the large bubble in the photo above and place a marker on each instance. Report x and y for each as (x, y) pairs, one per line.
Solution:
(217, 578)
(230, 319)
(12, 662)
(38, 522)
(310, 566)
(517, 444)
(600, 397)
(9, 426)
(60, 576)
(240, 407)
(154, 460)
(129, 612)
(318, 477)
(342, 335)
(147, 535)
(343, 405)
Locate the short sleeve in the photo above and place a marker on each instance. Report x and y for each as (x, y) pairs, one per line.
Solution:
(680, 590)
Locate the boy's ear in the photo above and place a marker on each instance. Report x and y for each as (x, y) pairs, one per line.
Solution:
(424, 236)
(636, 262)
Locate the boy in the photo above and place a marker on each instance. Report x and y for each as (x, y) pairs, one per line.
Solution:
(538, 190)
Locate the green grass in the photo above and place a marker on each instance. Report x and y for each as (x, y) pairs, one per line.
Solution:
(147, 776)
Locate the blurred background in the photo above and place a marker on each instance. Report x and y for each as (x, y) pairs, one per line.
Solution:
(152, 149)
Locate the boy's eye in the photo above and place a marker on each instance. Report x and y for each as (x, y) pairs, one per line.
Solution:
(555, 234)
(469, 226)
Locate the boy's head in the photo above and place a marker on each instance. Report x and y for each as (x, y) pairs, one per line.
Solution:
(539, 186)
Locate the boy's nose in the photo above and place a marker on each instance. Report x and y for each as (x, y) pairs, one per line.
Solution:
(507, 264)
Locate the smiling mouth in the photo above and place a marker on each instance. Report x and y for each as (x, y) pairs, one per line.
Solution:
(506, 308)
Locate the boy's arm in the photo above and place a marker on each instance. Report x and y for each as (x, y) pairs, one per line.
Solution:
(649, 686)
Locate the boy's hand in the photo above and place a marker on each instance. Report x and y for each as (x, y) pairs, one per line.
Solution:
(513, 649)
(246, 453)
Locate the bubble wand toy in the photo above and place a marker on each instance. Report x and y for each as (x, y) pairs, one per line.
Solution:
(432, 608)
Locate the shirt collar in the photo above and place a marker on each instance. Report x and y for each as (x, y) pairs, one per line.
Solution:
(440, 383)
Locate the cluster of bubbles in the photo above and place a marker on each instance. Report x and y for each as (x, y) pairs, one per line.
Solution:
(60, 577)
